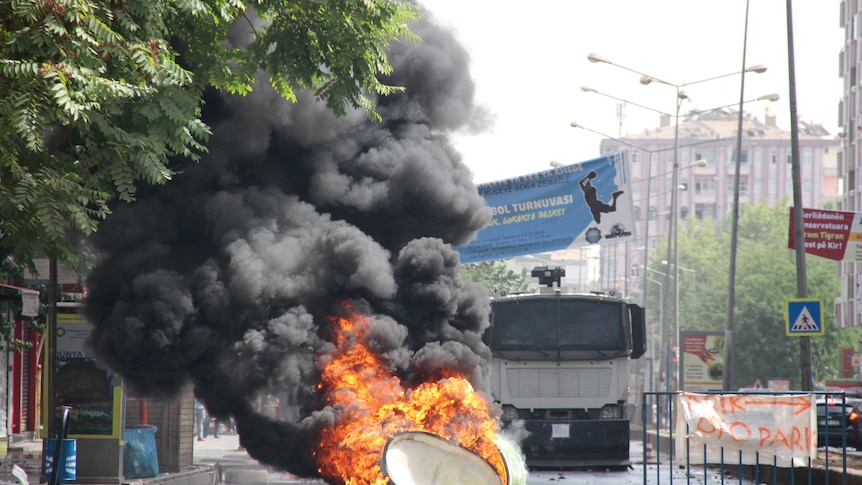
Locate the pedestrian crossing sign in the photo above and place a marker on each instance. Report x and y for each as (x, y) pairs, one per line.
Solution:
(803, 317)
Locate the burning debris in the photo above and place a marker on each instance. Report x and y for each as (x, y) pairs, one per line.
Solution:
(374, 406)
(413, 458)
(234, 276)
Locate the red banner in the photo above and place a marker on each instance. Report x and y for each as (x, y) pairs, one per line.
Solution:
(835, 235)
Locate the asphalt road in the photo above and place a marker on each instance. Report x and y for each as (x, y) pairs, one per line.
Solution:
(237, 468)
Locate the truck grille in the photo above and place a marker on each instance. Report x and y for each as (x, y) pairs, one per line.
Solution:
(558, 382)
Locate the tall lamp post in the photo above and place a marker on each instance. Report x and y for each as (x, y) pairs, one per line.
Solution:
(673, 228)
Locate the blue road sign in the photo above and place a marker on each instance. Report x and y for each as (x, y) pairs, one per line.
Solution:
(803, 317)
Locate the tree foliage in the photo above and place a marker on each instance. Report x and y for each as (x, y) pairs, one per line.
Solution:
(496, 276)
(96, 97)
(765, 278)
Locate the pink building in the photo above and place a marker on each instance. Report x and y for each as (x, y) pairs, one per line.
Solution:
(706, 192)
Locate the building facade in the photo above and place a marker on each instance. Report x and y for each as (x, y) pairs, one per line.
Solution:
(705, 189)
(848, 306)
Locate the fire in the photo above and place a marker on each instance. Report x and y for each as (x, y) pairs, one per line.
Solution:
(376, 406)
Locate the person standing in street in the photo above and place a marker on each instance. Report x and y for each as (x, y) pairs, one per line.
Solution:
(216, 425)
(200, 414)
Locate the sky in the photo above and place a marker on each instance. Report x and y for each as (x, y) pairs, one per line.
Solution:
(530, 62)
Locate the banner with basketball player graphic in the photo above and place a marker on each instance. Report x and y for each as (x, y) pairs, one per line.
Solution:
(569, 206)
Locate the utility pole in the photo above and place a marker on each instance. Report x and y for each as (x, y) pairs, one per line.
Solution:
(799, 232)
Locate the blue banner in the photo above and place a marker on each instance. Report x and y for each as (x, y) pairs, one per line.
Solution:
(571, 206)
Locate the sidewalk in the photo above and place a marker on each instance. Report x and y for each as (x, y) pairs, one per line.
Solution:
(216, 460)
(233, 465)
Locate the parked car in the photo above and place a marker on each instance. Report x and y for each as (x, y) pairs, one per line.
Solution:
(838, 418)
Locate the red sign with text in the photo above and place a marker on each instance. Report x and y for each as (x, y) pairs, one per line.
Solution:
(835, 235)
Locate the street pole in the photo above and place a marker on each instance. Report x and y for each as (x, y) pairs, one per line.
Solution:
(672, 249)
(660, 316)
(799, 233)
(727, 379)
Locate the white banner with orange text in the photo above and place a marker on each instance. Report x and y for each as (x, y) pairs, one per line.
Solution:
(751, 428)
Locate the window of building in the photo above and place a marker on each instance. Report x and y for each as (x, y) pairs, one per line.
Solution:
(683, 212)
(635, 156)
(668, 184)
(806, 187)
(788, 186)
(758, 156)
(637, 212)
(704, 211)
(636, 186)
(705, 153)
(773, 187)
(653, 185)
(653, 213)
(685, 156)
(651, 243)
(668, 157)
(773, 156)
(756, 187)
(743, 158)
(704, 186)
(807, 155)
(743, 185)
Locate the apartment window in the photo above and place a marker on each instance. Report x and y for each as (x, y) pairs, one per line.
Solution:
(756, 187)
(636, 186)
(704, 186)
(685, 156)
(683, 212)
(773, 187)
(653, 185)
(743, 185)
(637, 212)
(653, 213)
(635, 156)
(758, 156)
(651, 243)
(773, 156)
(808, 155)
(704, 211)
(806, 187)
(706, 153)
(668, 157)
(743, 158)
(788, 186)
(668, 184)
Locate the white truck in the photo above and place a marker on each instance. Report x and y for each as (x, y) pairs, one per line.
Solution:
(561, 367)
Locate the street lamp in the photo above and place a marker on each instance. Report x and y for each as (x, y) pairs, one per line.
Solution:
(673, 229)
(772, 97)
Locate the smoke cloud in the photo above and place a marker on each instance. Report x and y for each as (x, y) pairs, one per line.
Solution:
(227, 277)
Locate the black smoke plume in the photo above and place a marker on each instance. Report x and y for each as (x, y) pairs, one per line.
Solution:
(226, 278)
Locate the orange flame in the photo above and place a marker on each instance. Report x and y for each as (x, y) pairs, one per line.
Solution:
(375, 406)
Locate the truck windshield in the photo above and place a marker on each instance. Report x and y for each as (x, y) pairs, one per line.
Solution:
(555, 323)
